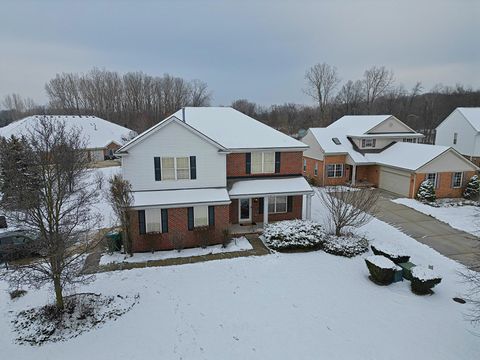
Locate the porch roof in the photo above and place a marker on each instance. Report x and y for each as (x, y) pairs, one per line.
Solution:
(271, 186)
(180, 197)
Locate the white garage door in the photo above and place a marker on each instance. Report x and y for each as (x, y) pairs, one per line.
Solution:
(394, 181)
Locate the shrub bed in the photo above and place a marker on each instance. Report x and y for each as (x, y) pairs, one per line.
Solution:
(391, 252)
(345, 245)
(423, 280)
(294, 235)
(382, 270)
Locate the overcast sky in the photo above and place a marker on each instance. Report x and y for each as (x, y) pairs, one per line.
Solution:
(257, 50)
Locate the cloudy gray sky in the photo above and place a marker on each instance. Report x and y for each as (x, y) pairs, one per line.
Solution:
(257, 50)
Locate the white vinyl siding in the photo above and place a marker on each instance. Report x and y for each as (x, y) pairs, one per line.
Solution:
(153, 220)
(263, 162)
(277, 204)
(457, 178)
(200, 216)
(335, 170)
(174, 140)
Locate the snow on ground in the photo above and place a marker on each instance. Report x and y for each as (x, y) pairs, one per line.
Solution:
(465, 218)
(280, 306)
(103, 207)
(237, 244)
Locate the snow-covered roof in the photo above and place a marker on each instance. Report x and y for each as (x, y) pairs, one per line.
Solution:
(98, 132)
(472, 114)
(230, 128)
(180, 197)
(407, 155)
(358, 124)
(270, 186)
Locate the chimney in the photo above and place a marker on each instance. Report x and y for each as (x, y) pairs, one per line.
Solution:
(183, 114)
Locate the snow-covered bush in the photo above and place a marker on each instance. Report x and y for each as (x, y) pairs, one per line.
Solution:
(390, 251)
(293, 234)
(382, 270)
(424, 279)
(426, 192)
(472, 189)
(345, 245)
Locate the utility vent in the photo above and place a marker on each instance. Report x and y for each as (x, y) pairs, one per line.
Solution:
(336, 141)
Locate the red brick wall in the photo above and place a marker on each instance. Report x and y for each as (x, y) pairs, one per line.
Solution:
(310, 170)
(370, 173)
(290, 164)
(178, 225)
(296, 212)
(336, 159)
(444, 189)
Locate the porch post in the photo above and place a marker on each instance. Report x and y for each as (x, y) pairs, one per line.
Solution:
(354, 174)
(308, 207)
(265, 210)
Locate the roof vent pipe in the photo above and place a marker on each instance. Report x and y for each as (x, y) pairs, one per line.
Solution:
(183, 114)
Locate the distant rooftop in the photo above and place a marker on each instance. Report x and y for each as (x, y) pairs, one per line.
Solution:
(98, 132)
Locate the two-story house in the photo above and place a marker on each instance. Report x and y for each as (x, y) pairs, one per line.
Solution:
(382, 151)
(461, 130)
(208, 169)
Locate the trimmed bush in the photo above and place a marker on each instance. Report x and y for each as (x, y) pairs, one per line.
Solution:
(423, 280)
(390, 252)
(294, 235)
(472, 189)
(382, 270)
(346, 245)
(426, 192)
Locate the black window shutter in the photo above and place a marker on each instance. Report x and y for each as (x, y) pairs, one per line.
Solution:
(158, 170)
(260, 205)
(142, 229)
(277, 162)
(190, 218)
(248, 163)
(164, 220)
(211, 215)
(193, 167)
(289, 203)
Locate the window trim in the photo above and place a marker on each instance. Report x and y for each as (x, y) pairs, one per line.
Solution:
(369, 143)
(275, 211)
(262, 170)
(315, 169)
(435, 181)
(147, 216)
(335, 166)
(195, 209)
(175, 168)
(453, 180)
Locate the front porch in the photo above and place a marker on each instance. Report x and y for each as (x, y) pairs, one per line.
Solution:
(256, 202)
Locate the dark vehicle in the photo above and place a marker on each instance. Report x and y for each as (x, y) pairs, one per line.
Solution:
(17, 244)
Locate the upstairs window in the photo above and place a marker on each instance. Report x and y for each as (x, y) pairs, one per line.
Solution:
(335, 170)
(368, 143)
(263, 162)
(168, 168)
(455, 138)
(183, 168)
(174, 168)
(410, 140)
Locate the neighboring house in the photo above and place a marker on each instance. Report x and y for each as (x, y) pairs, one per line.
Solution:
(203, 170)
(381, 151)
(102, 137)
(461, 130)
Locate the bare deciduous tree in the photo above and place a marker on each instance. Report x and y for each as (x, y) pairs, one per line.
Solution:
(350, 96)
(322, 79)
(348, 207)
(53, 198)
(377, 80)
(121, 198)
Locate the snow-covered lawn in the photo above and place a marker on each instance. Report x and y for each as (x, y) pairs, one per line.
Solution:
(238, 244)
(280, 306)
(465, 218)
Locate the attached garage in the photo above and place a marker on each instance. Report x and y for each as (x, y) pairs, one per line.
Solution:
(395, 181)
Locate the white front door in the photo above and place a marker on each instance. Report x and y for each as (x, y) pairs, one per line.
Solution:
(245, 210)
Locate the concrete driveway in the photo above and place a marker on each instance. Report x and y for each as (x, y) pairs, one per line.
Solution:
(455, 244)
